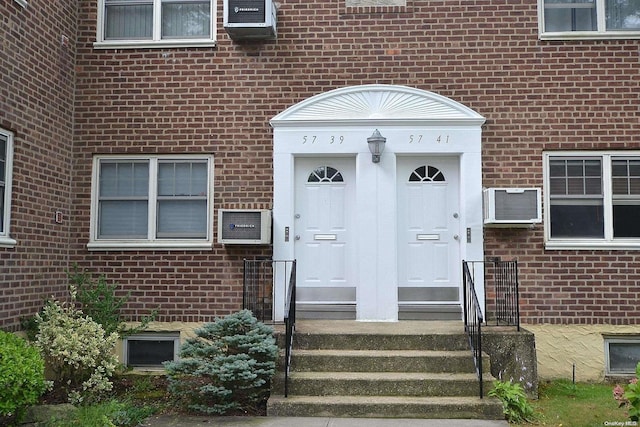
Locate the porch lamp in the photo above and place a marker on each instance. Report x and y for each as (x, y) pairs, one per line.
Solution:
(376, 145)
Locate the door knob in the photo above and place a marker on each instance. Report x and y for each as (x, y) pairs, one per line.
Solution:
(456, 237)
(297, 237)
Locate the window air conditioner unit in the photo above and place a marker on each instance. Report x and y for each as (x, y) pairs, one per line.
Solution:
(244, 227)
(512, 207)
(250, 19)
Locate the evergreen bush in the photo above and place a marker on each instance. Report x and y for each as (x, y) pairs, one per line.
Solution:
(22, 379)
(227, 367)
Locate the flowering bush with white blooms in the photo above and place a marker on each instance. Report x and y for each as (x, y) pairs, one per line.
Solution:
(77, 351)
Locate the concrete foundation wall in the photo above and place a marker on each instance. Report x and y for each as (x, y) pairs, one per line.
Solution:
(513, 357)
(559, 347)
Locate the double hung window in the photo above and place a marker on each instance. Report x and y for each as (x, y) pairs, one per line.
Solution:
(562, 19)
(6, 155)
(593, 200)
(134, 23)
(160, 201)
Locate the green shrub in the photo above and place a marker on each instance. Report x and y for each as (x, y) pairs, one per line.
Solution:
(99, 300)
(629, 396)
(22, 379)
(110, 413)
(229, 366)
(78, 352)
(515, 406)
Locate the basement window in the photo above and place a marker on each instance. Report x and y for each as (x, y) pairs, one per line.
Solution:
(622, 354)
(150, 351)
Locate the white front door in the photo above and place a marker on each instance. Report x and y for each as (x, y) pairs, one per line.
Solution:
(324, 248)
(428, 237)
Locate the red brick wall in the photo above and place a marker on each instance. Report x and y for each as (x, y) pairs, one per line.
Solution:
(536, 95)
(37, 53)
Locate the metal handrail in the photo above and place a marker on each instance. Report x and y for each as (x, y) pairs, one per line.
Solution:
(473, 321)
(290, 325)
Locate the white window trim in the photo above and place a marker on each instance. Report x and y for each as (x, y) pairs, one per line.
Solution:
(157, 42)
(151, 336)
(22, 3)
(5, 240)
(600, 34)
(607, 242)
(96, 244)
(617, 339)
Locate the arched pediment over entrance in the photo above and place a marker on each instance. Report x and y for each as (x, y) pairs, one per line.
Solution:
(384, 104)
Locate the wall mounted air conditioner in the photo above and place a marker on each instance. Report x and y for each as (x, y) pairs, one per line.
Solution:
(250, 19)
(244, 227)
(512, 207)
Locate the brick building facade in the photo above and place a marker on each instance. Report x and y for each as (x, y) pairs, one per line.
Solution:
(69, 98)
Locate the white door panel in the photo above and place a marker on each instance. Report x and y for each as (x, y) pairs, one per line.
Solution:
(323, 223)
(428, 223)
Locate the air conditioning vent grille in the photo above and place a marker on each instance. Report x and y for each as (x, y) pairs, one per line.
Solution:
(516, 206)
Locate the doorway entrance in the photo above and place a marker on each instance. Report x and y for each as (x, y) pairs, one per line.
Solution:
(383, 240)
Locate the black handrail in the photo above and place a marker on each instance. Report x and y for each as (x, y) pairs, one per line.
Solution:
(473, 320)
(290, 325)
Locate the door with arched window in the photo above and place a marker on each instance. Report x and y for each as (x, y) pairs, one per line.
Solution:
(324, 205)
(428, 238)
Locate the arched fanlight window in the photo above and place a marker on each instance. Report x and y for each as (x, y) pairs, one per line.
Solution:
(426, 174)
(325, 174)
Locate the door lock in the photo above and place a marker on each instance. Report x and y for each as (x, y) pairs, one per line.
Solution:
(297, 237)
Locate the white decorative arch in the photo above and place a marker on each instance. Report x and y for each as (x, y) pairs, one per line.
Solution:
(337, 123)
(380, 104)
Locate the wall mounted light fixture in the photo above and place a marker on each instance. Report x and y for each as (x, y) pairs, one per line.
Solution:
(376, 145)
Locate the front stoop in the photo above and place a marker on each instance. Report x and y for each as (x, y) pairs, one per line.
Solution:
(383, 370)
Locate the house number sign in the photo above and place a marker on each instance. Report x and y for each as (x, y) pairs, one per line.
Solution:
(313, 139)
(339, 139)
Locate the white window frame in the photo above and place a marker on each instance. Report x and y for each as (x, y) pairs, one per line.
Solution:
(600, 33)
(151, 242)
(151, 336)
(5, 240)
(613, 339)
(607, 242)
(157, 41)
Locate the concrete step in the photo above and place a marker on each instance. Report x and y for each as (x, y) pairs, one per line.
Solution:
(386, 407)
(365, 341)
(385, 384)
(385, 361)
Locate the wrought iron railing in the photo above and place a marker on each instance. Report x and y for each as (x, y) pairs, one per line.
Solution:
(260, 277)
(505, 279)
(473, 319)
(290, 326)
(257, 293)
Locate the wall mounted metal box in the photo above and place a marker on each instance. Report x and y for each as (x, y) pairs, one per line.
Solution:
(244, 227)
(250, 19)
(512, 207)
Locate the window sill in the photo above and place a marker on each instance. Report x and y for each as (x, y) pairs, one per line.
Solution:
(591, 245)
(146, 245)
(124, 44)
(6, 242)
(591, 35)
(22, 3)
